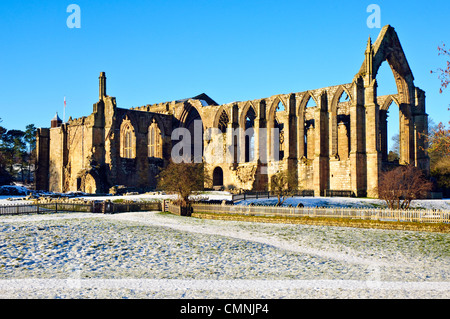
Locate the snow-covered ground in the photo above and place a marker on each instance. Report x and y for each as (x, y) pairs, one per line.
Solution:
(440, 204)
(155, 255)
(211, 195)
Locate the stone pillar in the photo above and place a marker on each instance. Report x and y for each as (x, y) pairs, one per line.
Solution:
(342, 141)
(321, 164)
(233, 155)
(291, 142)
(372, 145)
(357, 140)
(421, 132)
(260, 138)
(310, 145)
(406, 135)
(383, 135)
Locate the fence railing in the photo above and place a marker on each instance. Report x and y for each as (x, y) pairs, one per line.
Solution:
(422, 216)
(104, 207)
(178, 210)
(21, 209)
(258, 195)
(132, 207)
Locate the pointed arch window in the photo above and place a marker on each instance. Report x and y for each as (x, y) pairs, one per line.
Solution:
(154, 141)
(128, 140)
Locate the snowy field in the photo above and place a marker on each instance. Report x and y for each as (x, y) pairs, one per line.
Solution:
(439, 204)
(155, 255)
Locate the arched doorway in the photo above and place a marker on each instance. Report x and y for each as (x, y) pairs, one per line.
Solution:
(217, 177)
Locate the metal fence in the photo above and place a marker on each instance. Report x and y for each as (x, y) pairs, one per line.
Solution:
(422, 216)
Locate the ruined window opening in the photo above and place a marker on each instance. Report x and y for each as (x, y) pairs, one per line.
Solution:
(250, 135)
(344, 97)
(311, 102)
(280, 127)
(309, 139)
(390, 133)
(223, 122)
(194, 122)
(280, 107)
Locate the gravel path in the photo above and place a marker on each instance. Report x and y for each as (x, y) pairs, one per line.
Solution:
(154, 255)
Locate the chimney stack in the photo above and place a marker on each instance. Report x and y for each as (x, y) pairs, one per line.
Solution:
(102, 85)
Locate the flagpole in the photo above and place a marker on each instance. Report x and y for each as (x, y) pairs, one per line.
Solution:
(64, 113)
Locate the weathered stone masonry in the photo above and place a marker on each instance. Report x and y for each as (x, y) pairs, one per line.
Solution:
(333, 138)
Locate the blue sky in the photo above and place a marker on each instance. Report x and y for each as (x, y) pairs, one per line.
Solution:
(157, 51)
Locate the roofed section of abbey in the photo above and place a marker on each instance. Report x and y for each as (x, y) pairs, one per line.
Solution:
(332, 138)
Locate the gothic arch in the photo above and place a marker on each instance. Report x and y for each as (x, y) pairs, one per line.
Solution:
(273, 108)
(337, 95)
(334, 123)
(304, 101)
(301, 133)
(272, 122)
(387, 48)
(388, 102)
(189, 108)
(187, 120)
(383, 127)
(249, 105)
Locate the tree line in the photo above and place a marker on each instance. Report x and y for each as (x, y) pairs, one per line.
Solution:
(17, 154)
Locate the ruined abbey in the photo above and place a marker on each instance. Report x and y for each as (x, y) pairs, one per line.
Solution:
(332, 138)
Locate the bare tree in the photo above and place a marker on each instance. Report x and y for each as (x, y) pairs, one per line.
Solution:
(398, 187)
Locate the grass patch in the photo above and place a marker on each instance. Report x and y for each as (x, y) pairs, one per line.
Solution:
(327, 221)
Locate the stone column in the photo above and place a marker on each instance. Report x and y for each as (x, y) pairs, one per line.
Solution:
(421, 132)
(406, 135)
(357, 140)
(372, 145)
(320, 164)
